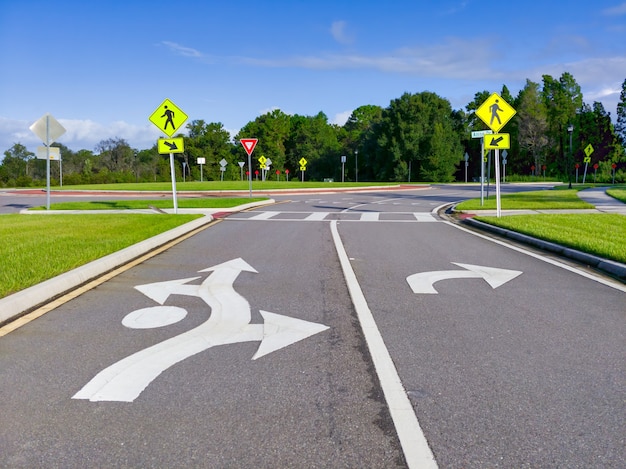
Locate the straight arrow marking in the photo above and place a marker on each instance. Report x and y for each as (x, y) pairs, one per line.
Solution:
(423, 282)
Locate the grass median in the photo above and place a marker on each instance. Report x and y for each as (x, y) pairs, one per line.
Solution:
(35, 248)
(600, 234)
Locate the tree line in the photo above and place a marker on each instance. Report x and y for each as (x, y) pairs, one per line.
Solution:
(417, 137)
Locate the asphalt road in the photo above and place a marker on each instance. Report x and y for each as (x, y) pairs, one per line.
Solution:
(522, 371)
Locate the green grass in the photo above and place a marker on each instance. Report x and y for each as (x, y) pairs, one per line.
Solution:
(601, 234)
(35, 248)
(534, 200)
(135, 204)
(619, 194)
(270, 184)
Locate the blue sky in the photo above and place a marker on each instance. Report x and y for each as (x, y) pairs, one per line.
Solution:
(101, 68)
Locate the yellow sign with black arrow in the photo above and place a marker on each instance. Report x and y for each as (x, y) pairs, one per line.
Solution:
(497, 141)
(171, 145)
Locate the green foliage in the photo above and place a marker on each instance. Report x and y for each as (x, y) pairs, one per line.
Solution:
(417, 137)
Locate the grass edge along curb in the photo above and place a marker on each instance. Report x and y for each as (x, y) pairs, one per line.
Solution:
(613, 268)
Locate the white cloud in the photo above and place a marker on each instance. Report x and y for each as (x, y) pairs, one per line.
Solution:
(182, 50)
(79, 135)
(616, 10)
(341, 118)
(339, 33)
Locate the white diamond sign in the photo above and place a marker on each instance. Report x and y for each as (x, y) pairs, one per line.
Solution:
(48, 129)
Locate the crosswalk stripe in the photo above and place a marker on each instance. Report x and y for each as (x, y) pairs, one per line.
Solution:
(400, 217)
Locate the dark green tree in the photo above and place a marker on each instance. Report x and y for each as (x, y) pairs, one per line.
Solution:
(620, 126)
(417, 140)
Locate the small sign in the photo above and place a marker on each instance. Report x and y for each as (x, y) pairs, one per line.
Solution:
(302, 161)
(262, 160)
(588, 150)
(481, 133)
(168, 118)
(201, 161)
(170, 145)
(587, 159)
(47, 128)
(55, 153)
(223, 163)
(498, 141)
(249, 144)
(302, 168)
(495, 112)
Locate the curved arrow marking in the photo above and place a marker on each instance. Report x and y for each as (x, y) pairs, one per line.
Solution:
(423, 282)
(228, 323)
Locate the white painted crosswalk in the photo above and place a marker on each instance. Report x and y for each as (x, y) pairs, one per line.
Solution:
(347, 216)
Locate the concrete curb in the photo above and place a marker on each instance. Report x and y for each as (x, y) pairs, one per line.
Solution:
(613, 268)
(17, 304)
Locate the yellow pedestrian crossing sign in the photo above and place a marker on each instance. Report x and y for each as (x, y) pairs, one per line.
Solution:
(589, 150)
(303, 162)
(168, 118)
(262, 160)
(495, 112)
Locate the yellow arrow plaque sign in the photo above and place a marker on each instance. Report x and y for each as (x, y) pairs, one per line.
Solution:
(497, 141)
(171, 145)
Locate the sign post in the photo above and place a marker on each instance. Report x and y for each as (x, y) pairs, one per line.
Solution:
(587, 159)
(480, 134)
(496, 112)
(248, 145)
(303, 163)
(48, 129)
(168, 118)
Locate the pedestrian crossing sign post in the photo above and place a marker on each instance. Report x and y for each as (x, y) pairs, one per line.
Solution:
(496, 112)
(168, 118)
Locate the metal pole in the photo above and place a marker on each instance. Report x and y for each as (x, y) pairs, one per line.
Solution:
(47, 162)
(250, 173)
(482, 171)
(497, 164)
(173, 171)
(356, 165)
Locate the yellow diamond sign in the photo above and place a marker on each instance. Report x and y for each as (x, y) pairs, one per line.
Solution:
(495, 112)
(303, 162)
(168, 118)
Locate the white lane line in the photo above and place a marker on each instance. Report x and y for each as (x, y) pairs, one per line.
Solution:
(414, 445)
(424, 216)
(369, 216)
(264, 216)
(317, 216)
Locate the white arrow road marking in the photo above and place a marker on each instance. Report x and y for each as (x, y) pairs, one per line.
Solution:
(228, 323)
(423, 282)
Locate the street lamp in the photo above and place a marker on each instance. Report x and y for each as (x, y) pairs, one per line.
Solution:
(356, 165)
(570, 130)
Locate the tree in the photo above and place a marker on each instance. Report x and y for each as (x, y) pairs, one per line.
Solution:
(355, 135)
(212, 142)
(15, 166)
(417, 132)
(532, 124)
(620, 127)
(116, 155)
(563, 100)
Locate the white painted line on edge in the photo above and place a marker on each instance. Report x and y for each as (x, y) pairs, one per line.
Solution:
(414, 445)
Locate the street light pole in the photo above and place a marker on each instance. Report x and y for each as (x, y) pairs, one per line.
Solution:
(570, 130)
(356, 165)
